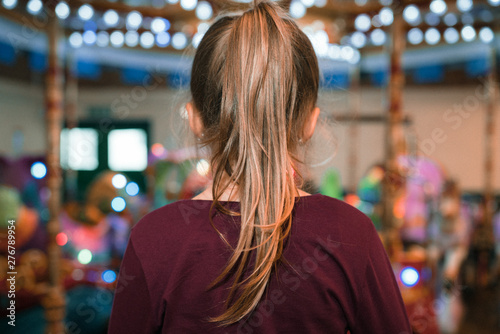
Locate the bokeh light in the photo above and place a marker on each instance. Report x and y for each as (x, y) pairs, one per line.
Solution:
(108, 276)
(468, 33)
(415, 36)
(409, 276)
(62, 10)
(362, 22)
(119, 181)
(486, 35)
(131, 38)
(411, 14)
(61, 239)
(204, 10)
(111, 18)
(134, 20)
(147, 40)
(117, 39)
(9, 4)
(118, 204)
(451, 35)
(297, 9)
(179, 41)
(203, 167)
(432, 36)
(132, 189)
(84, 256)
(85, 12)
(438, 7)
(162, 39)
(34, 7)
(77, 274)
(38, 170)
(189, 4)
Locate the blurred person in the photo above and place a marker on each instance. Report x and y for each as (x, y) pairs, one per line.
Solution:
(448, 251)
(253, 252)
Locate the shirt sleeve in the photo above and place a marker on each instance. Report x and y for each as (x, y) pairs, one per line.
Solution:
(380, 308)
(131, 311)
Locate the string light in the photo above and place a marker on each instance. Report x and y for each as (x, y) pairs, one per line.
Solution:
(89, 37)
(333, 51)
(9, 4)
(162, 39)
(158, 25)
(297, 9)
(450, 19)
(320, 3)
(111, 18)
(411, 14)
(102, 39)
(468, 33)
(438, 7)
(451, 35)
(378, 37)
(415, 36)
(432, 19)
(179, 41)
(486, 35)
(386, 16)
(62, 10)
(131, 39)
(85, 12)
(134, 20)
(147, 40)
(358, 39)
(432, 36)
(464, 5)
(117, 39)
(189, 4)
(204, 10)
(307, 3)
(362, 22)
(76, 40)
(34, 7)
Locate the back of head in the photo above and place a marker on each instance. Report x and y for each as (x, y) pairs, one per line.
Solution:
(254, 83)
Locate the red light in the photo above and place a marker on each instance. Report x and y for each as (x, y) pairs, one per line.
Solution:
(157, 149)
(61, 239)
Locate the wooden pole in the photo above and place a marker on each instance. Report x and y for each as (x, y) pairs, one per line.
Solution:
(489, 143)
(71, 120)
(355, 102)
(394, 138)
(54, 300)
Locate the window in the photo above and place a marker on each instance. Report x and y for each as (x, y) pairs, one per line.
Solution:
(127, 150)
(79, 149)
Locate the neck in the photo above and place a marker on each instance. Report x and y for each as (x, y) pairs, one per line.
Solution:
(231, 194)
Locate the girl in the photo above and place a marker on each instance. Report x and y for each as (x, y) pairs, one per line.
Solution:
(253, 253)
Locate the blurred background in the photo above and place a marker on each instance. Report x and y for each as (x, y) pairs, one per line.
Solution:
(93, 136)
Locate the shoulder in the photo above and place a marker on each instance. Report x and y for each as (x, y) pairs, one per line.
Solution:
(327, 215)
(170, 220)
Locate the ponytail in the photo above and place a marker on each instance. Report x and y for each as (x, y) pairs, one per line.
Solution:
(254, 82)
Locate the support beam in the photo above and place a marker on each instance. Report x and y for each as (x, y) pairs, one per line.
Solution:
(54, 300)
(394, 137)
(489, 141)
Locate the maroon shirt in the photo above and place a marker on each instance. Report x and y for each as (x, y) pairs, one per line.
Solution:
(341, 278)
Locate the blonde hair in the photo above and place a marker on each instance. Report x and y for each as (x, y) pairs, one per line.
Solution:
(254, 82)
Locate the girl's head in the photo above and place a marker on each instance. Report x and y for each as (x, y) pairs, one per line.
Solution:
(254, 86)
